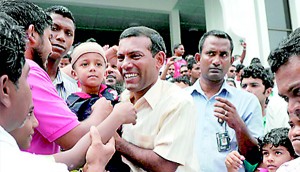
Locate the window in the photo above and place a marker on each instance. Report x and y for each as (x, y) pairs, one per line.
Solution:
(279, 21)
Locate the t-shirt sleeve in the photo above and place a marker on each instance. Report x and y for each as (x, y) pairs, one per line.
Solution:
(54, 116)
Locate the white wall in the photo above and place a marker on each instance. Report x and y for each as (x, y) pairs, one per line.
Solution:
(245, 20)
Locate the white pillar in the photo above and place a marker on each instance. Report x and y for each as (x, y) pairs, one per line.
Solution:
(241, 20)
(175, 33)
(295, 13)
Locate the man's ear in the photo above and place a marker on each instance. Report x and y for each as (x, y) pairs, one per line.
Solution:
(197, 57)
(32, 35)
(74, 74)
(268, 92)
(231, 59)
(5, 87)
(160, 59)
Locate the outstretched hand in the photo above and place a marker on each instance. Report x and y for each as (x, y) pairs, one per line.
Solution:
(234, 161)
(98, 153)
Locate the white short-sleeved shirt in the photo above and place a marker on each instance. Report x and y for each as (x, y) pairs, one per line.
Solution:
(12, 159)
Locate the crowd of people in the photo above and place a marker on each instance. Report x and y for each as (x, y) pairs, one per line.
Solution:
(128, 107)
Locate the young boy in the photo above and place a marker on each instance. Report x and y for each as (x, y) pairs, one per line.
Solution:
(275, 147)
(89, 64)
(293, 166)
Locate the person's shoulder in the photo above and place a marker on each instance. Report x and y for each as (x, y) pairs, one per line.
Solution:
(241, 94)
(291, 166)
(172, 90)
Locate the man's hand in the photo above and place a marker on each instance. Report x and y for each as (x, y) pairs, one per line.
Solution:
(126, 112)
(226, 111)
(111, 55)
(98, 153)
(104, 106)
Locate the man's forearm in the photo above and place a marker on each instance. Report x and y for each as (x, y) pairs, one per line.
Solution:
(144, 158)
(247, 144)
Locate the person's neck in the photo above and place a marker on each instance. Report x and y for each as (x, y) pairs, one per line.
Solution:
(263, 108)
(90, 90)
(210, 88)
(52, 68)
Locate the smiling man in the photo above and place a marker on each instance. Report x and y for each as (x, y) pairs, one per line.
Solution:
(162, 139)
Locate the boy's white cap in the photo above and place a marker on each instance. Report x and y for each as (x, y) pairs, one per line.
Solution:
(87, 47)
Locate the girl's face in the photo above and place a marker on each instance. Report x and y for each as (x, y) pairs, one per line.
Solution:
(294, 132)
(89, 71)
(273, 156)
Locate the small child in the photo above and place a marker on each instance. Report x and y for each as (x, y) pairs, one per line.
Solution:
(294, 136)
(275, 147)
(89, 64)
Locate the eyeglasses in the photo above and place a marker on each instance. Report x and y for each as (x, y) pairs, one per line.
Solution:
(184, 71)
(231, 71)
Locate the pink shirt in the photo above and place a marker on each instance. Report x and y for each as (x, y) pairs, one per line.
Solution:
(177, 65)
(54, 117)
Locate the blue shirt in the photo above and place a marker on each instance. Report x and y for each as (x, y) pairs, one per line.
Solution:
(248, 108)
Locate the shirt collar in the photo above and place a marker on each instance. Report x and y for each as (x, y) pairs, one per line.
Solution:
(58, 79)
(152, 96)
(197, 88)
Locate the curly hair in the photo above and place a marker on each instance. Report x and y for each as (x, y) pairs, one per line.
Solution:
(287, 48)
(12, 48)
(259, 72)
(277, 137)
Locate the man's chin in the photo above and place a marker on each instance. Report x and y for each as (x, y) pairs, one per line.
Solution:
(56, 55)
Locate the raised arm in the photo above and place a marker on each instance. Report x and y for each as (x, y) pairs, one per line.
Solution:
(123, 113)
(247, 144)
(165, 71)
(243, 55)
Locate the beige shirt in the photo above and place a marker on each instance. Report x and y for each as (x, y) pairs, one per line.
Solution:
(166, 122)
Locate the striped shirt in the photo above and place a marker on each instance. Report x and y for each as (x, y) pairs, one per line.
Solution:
(65, 85)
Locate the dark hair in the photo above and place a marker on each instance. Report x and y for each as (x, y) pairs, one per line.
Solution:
(67, 56)
(287, 48)
(176, 46)
(157, 42)
(183, 79)
(255, 60)
(231, 80)
(12, 48)
(216, 33)
(277, 137)
(239, 67)
(190, 63)
(61, 10)
(258, 71)
(27, 13)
